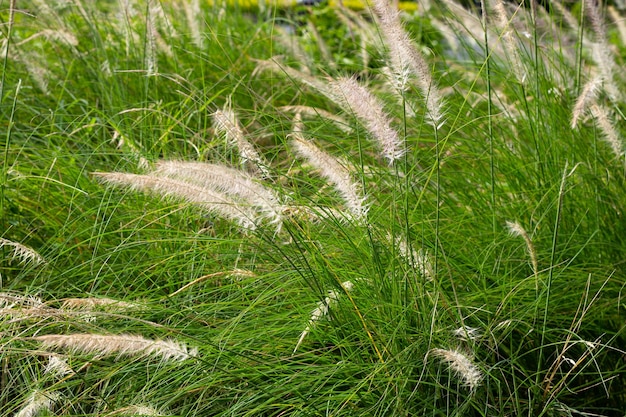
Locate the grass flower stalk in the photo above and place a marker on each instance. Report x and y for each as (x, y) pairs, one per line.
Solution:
(10, 300)
(356, 98)
(135, 410)
(600, 114)
(91, 303)
(193, 14)
(419, 260)
(461, 365)
(22, 253)
(516, 229)
(601, 51)
(227, 123)
(406, 61)
(120, 345)
(337, 174)
(38, 402)
(225, 180)
(511, 47)
(588, 96)
(322, 310)
(211, 200)
(58, 366)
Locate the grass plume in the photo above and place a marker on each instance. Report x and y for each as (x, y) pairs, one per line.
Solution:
(37, 402)
(322, 310)
(211, 200)
(22, 253)
(336, 173)
(516, 229)
(354, 97)
(601, 116)
(119, 345)
(407, 62)
(461, 365)
(227, 123)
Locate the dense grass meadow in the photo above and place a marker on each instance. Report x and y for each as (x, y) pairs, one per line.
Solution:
(217, 210)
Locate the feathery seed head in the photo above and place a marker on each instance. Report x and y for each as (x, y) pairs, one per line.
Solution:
(22, 253)
(601, 115)
(510, 45)
(120, 345)
(354, 97)
(322, 310)
(419, 260)
(91, 303)
(588, 96)
(57, 366)
(136, 410)
(467, 333)
(331, 169)
(212, 200)
(406, 61)
(516, 229)
(227, 123)
(462, 366)
(223, 179)
(37, 402)
(9, 300)
(194, 21)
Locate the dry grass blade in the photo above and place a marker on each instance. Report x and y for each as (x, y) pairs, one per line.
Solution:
(238, 272)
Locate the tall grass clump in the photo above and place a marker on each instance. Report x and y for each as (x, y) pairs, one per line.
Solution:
(208, 209)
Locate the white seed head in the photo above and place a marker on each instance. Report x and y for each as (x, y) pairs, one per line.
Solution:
(354, 97)
(22, 253)
(120, 345)
(462, 366)
(37, 402)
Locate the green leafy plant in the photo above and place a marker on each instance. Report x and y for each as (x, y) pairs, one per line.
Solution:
(405, 215)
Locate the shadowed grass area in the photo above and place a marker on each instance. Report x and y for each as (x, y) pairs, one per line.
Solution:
(311, 211)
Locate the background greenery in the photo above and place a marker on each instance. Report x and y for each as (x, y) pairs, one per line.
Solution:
(117, 86)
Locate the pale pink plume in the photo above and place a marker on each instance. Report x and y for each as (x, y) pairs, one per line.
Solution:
(356, 98)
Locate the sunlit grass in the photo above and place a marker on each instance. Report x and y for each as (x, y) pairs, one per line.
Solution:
(311, 212)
